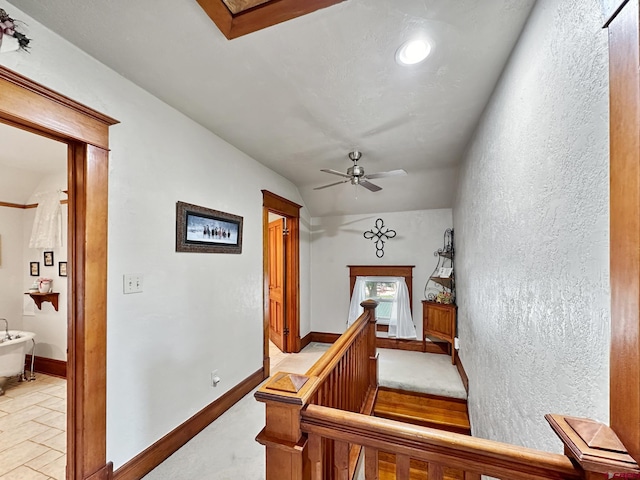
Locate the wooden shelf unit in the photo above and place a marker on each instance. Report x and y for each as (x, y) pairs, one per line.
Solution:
(439, 320)
(38, 298)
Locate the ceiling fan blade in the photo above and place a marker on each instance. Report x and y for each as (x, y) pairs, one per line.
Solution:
(370, 186)
(335, 172)
(392, 173)
(331, 185)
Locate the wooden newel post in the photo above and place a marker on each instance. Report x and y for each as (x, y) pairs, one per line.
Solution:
(284, 396)
(595, 447)
(370, 309)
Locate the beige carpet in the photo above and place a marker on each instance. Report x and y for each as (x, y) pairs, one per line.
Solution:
(419, 372)
(227, 450)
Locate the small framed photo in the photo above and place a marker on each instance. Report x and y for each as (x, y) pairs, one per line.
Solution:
(200, 229)
(48, 259)
(34, 269)
(62, 269)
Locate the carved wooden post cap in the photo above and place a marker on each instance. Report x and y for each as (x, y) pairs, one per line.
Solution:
(369, 303)
(287, 382)
(286, 388)
(594, 445)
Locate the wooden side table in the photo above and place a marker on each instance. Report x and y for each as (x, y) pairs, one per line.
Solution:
(439, 320)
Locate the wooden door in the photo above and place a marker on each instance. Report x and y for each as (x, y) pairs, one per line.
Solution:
(276, 284)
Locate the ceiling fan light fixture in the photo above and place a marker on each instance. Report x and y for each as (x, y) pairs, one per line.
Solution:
(412, 52)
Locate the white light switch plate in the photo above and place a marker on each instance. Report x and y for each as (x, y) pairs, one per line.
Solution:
(132, 283)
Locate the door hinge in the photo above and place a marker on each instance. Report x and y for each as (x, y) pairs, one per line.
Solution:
(286, 331)
(285, 232)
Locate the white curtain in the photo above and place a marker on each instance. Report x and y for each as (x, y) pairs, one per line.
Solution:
(47, 226)
(400, 323)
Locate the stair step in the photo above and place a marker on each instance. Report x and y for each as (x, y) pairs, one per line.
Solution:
(417, 470)
(433, 411)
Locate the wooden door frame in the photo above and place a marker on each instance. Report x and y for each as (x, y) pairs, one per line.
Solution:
(624, 99)
(28, 105)
(291, 211)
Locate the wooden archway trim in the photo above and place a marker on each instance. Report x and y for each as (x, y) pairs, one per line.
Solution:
(29, 105)
(50, 112)
(280, 205)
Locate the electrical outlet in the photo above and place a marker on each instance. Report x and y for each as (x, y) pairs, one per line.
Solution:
(215, 379)
(132, 283)
(456, 343)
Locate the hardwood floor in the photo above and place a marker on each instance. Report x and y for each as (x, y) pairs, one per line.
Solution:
(433, 411)
(417, 470)
(444, 413)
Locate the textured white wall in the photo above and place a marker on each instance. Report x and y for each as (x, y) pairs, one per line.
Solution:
(16, 185)
(49, 325)
(531, 220)
(198, 312)
(338, 241)
(12, 266)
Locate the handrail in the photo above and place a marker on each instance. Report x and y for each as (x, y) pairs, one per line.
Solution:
(476, 455)
(315, 430)
(328, 360)
(345, 377)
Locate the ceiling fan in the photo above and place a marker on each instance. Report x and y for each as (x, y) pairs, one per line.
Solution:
(356, 174)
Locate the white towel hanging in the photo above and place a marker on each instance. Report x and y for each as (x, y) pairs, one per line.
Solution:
(47, 226)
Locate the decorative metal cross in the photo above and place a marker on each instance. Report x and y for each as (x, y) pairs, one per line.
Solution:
(379, 232)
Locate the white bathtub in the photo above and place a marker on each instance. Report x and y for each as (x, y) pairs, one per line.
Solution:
(12, 352)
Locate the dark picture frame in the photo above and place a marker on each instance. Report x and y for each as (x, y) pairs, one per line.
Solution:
(34, 269)
(204, 230)
(48, 259)
(62, 269)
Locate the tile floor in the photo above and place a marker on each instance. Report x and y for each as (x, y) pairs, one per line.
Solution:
(33, 422)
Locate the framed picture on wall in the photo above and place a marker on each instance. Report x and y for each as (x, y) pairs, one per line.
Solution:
(48, 259)
(200, 229)
(34, 269)
(62, 269)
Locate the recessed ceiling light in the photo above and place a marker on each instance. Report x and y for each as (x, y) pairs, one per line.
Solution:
(412, 52)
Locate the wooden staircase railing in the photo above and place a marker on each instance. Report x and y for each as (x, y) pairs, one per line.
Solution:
(317, 423)
(466, 456)
(345, 377)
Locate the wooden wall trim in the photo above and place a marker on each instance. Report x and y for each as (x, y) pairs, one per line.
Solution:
(48, 366)
(306, 340)
(462, 373)
(405, 271)
(86, 433)
(291, 211)
(280, 205)
(412, 345)
(104, 473)
(51, 111)
(398, 344)
(12, 205)
(323, 337)
(33, 107)
(624, 79)
(154, 455)
(27, 206)
(262, 16)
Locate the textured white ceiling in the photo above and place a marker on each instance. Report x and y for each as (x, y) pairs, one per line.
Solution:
(300, 95)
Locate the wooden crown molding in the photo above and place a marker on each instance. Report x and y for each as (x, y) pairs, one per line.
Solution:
(252, 15)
